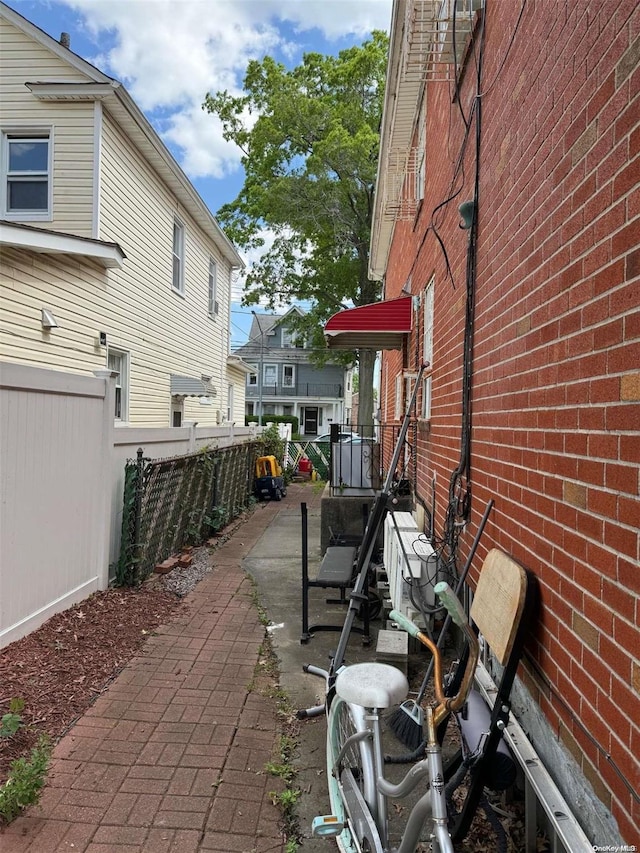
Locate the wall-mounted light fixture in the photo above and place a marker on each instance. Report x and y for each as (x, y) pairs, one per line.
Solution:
(48, 320)
(467, 211)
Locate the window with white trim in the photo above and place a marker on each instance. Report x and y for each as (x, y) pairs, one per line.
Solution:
(230, 402)
(177, 411)
(177, 282)
(214, 308)
(427, 341)
(398, 409)
(421, 149)
(26, 175)
(252, 378)
(291, 339)
(425, 411)
(118, 363)
(270, 375)
(288, 375)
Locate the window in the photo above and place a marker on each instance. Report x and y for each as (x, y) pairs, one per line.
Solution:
(287, 410)
(398, 409)
(177, 412)
(250, 408)
(178, 257)
(427, 342)
(421, 150)
(270, 376)
(252, 378)
(426, 398)
(26, 166)
(118, 362)
(213, 288)
(288, 375)
(230, 403)
(291, 339)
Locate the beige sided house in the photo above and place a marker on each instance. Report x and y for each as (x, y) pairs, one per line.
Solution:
(109, 257)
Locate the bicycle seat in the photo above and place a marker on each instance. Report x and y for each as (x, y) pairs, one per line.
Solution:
(372, 685)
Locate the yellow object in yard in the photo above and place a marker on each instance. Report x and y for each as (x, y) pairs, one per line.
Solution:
(268, 466)
(314, 475)
(269, 480)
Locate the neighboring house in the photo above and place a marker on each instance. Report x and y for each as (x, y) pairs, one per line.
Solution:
(110, 259)
(529, 318)
(285, 380)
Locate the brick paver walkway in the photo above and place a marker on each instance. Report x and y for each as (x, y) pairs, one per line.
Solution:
(170, 759)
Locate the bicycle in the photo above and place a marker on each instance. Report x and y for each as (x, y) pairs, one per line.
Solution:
(358, 789)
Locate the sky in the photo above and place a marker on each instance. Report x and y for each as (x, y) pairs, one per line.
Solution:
(170, 53)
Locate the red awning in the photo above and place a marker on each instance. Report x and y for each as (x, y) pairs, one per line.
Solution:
(381, 325)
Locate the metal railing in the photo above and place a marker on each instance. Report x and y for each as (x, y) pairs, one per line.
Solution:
(299, 389)
(358, 464)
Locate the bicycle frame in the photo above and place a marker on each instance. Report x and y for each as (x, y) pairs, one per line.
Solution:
(360, 799)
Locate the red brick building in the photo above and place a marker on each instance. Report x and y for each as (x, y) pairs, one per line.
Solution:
(529, 314)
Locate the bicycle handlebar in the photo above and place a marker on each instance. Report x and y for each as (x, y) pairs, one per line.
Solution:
(446, 704)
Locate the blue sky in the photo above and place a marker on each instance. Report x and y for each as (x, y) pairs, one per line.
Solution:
(169, 53)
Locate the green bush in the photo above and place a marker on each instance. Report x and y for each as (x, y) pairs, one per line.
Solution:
(273, 444)
(26, 780)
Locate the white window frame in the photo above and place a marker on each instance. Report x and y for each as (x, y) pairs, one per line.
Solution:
(292, 382)
(30, 134)
(177, 408)
(121, 411)
(230, 402)
(270, 369)
(398, 406)
(425, 411)
(252, 378)
(421, 149)
(178, 257)
(427, 339)
(214, 308)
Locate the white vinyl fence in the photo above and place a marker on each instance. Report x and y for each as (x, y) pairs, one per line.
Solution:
(61, 484)
(55, 434)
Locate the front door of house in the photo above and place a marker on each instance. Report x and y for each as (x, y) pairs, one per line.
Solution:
(311, 420)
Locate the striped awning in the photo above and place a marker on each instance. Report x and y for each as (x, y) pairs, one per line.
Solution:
(189, 386)
(381, 325)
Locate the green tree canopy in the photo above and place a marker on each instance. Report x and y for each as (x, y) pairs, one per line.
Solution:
(309, 138)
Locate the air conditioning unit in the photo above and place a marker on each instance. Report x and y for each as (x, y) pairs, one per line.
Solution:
(411, 566)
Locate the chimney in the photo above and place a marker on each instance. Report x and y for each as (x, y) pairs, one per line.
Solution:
(65, 41)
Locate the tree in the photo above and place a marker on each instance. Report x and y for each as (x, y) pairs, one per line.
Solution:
(309, 138)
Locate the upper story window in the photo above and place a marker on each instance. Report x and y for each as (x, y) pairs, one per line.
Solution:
(252, 378)
(291, 339)
(288, 375)
(427, 341)
(178, 257)
(427, 348)
(26, 175)
(270, 375)
(421, 149)
(118, 362)
(214, 308)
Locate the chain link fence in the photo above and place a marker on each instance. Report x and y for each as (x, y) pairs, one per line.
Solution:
(170, 503)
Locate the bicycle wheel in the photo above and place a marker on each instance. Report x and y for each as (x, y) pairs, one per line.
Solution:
(351, 780)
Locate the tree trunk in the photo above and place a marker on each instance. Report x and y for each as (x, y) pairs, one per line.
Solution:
(366, 362)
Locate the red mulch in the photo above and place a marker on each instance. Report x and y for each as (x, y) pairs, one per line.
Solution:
(61, 668)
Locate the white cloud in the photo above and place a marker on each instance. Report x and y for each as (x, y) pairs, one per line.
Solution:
(170, 53)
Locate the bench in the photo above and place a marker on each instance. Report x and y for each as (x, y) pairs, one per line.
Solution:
(335, 572)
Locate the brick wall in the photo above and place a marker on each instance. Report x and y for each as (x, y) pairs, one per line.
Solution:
(556, 376)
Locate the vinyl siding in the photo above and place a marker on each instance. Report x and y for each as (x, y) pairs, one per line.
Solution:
(75, 291)
(23, 60)
(164, 332)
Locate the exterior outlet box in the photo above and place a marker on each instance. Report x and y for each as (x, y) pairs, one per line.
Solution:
(102, 337)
